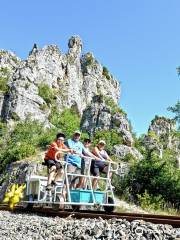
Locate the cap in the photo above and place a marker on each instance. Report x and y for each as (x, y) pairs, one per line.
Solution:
(102, 141)
(77, 132)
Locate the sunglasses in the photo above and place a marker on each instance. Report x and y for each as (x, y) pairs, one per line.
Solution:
(62, 139)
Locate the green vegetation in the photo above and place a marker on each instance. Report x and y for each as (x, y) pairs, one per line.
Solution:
(153, 135)
(176, 111)
(114, 106)
(151, 202)
(68, 120)
(159, 118)
(47, 93)
(43, 107)
(111, 138)
(106, 73)
(89, 58)
(4, 76)
(151, 180)
(23, 141)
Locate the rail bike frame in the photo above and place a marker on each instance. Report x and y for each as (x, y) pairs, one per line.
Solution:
(36, 192)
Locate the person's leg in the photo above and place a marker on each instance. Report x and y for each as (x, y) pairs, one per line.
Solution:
(59, 172)
(76, 179)
(105, 169)
(71, 169)
(86, 172)
(59, 175)
(52, 171)
(95, 172)
(81, 179)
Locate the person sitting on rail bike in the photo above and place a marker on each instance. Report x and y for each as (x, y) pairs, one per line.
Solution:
(74, 161)
(85, 162)
(98, 166)
(56, 170)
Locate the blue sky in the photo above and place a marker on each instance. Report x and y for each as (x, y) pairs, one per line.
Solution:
(138, 41)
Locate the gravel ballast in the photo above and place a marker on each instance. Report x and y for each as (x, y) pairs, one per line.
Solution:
(32, 227)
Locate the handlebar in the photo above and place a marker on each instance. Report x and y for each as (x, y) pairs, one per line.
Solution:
(85, 157)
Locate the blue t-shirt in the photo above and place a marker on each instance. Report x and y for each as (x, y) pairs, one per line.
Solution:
(79, 148)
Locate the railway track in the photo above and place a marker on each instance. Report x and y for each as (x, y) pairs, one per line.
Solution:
(47, 211)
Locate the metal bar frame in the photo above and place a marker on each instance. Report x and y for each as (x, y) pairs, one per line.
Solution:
(65, 182)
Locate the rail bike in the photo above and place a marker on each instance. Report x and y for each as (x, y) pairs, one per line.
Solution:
(63, 196)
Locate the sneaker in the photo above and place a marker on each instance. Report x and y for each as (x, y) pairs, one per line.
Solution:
(53, 183)
(48, 187)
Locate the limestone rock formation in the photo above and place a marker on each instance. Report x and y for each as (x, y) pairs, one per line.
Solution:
(64, 75)
(9, 60)
(121, 151)
(99, 115)
(161, 135)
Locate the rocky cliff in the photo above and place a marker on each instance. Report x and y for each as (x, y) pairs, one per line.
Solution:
(162, 136)
(72, 78)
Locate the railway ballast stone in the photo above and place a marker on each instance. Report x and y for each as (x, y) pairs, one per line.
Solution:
(32, 227)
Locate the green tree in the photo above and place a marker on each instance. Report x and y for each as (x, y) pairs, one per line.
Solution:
(157, 177)
(176, 111)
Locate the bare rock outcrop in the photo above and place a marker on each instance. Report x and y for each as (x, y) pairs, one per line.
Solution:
(64, 75)
(101, 116)
(18, 172)
(161, 136)
(121, 151)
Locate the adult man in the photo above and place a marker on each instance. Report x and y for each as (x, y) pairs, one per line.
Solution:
(74, 160)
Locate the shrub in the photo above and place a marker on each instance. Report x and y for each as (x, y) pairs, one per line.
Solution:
(47, 93)
(111, 137)
(4, 76)
(155, 176)
(151, 202)
(47, 137)
(89, 58)
(67, 121)
(22, 142)
(106, 73)
(153, 135)
(114, 107)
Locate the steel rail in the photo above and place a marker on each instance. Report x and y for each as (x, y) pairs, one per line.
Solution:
(47, 211)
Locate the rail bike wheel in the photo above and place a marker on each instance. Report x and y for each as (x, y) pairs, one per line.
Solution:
(109, 209)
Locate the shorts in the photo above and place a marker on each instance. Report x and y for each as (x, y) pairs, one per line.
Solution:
(98, 166)
(49, 163)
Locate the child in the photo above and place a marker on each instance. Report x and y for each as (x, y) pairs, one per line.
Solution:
(55, 167)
